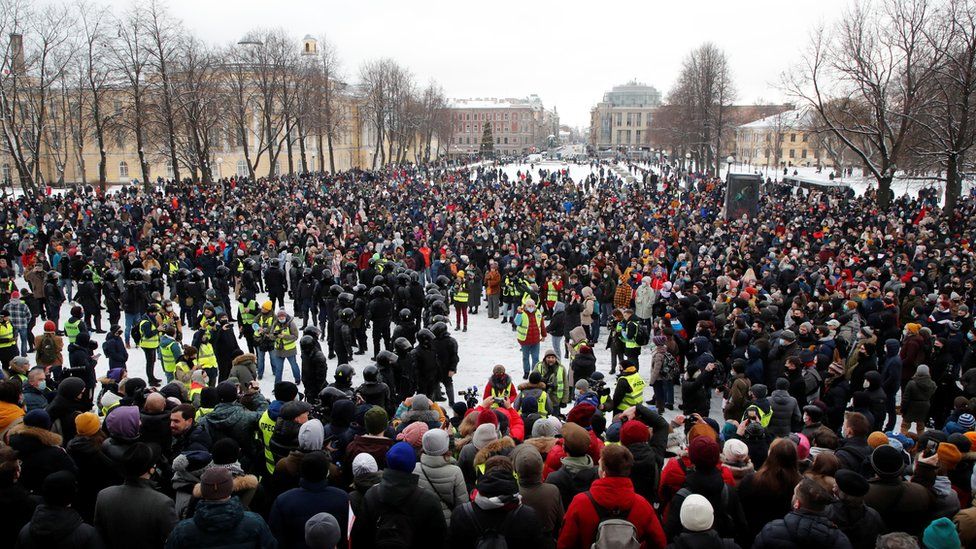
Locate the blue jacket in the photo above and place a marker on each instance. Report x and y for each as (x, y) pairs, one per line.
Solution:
(292, 509)
(223, 524)
(115, 351)
(35, 399)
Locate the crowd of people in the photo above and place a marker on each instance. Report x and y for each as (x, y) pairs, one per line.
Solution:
(805, 376)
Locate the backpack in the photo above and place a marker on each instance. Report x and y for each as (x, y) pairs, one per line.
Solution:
(489, 538)
(643, 336)
(47, 351)
(613, 530)
(394, 527)
(669, 369)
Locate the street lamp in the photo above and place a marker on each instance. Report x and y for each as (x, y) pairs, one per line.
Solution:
(688, 160)
(729, 159)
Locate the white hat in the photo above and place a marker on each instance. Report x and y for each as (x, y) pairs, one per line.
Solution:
(696, 513)
(734, 450)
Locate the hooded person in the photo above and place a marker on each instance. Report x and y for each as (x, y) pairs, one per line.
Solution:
(123, 427)
(398, 508)
(69, 401)
(56, 524)
(541, 496)
(500, 385)
(577, 469)
(38, 449)
(293, 508)
(497, 507)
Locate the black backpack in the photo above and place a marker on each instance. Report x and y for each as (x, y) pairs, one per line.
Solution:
(643, 335)
(394, 527)
(489, 538)
(47, 351)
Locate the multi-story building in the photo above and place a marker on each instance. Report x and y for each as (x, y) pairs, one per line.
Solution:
(518, 126)
(781, 140)
(622, 120)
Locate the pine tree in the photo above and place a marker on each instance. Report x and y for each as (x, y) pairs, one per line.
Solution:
(487, 141)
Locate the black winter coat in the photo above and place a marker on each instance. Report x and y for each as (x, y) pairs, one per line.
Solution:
(523, 529)
(315, 369)
(696, 395)
(446, 349)
(572, 482)
(399, 490)
(40, 455)
(95, 472)
(801, 529)
(57, 528)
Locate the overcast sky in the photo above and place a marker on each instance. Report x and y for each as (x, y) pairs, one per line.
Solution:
(568, 52)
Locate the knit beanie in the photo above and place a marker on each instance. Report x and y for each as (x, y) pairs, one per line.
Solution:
(582, 414)
(487, 416)
(375, 420)
(322, 531)
(546, 427)
(967, 421)
(413, 434)
(483, 435)
(633, 432)
(364, 464)
(87, 424)
(941, 534)
(734, 451)
(401, 457)
(703, 452)
(226, 392)
(436, 442)
(38, 418)
(576, 441)
(876, 439)
(311, 435)
(696, 513)
(949, 455)
(528, 463)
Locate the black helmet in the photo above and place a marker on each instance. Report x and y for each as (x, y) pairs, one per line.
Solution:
(371, 373)
(405, 315)
(273, 263)
(385, 358)
(335, 290)
(414, 276)
(249, 263)
(439, 308)
(379, 280)
(182, 273)
(403, 279)
(53, 275)
(344, 372)
(307, 342)
(330, 395)
(439, 329)
(346, 315)
(377, 291)
(222, 271)
(371, 262)
(360, 289)
(312, 330)
(430, 286)
(112, 275)
(443, 281)
(306, 272)
(136, 274)
(425, 336)
(346, 299)
(87, 275)
(438, 318)
(401, 344)
(196, 275)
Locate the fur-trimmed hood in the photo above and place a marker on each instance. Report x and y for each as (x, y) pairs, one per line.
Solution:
(502, 446)
(542, 444)
(246, 357)
(425, 416)
(241, 484)
(541, 386)
(42, 436)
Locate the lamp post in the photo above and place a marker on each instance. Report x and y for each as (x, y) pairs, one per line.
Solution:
(688, 161)
(729, 159)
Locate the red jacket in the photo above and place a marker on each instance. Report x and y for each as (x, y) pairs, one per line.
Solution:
(673, 478)
(512, 393)
(555, 456)
(581, 520)
(516, 427)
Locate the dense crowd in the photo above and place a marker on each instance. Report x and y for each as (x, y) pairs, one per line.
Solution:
(804, 377)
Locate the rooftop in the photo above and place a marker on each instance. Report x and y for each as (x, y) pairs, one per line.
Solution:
(793, 119)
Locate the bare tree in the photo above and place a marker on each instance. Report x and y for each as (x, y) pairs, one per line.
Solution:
(330, 114)
(162, 33)
(375, 81)
(881, 57)
(36, 53)
(132, 57)
(93, 87)
(198, 103)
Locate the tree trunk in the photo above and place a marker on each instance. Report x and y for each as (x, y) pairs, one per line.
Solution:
(953, 182)
(884, 191)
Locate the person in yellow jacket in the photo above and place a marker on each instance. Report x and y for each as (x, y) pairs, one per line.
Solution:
(186, 365)
(206, 357)
(460, 296)
(263, 337)
(629, 390)
(286, 334)
(557, 378)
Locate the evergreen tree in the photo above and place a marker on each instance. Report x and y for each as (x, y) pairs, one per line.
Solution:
(487, 141)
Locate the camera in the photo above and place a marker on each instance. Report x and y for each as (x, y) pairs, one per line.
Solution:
(470, 396)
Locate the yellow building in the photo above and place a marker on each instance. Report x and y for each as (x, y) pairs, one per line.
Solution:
(782, 140)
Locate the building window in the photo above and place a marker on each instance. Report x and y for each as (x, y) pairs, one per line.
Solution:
(638, 120)
(792, 138)
(123, 170)
(169, 169)
(805, 138)
(803, 153)
(6, 174)
(242, 170)
(638, 137)
(506, 142)
(619, 118)
(630, 119)
(792, 153)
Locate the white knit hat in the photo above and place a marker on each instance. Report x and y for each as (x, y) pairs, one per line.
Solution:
(696, 513)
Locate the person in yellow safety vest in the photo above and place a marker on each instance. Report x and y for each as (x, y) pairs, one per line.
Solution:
(263, 335)
(760, 410)
(8, 340)
(206, 358)
(170, 352)
(559, 386)
(286, 346)
(75, 324)
(186, 365)
(629, 390)
(283, 392)
(533, 390)
(459, 293)
(500, 385)
(530, 330)
(628, 336)
(198, 381)
(148, 327)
